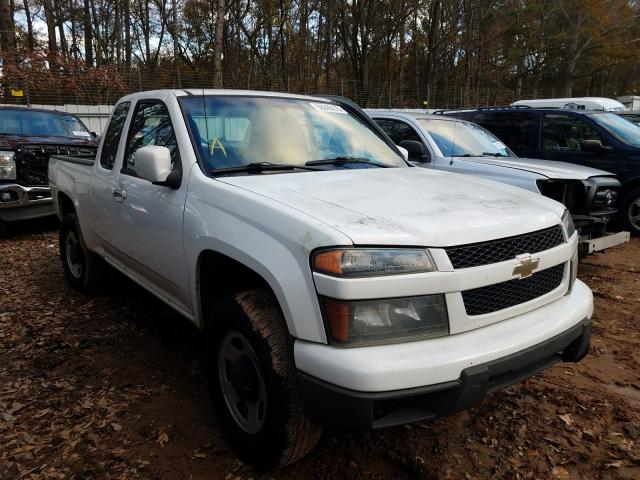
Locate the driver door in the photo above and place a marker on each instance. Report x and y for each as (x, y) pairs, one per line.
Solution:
(148, 242)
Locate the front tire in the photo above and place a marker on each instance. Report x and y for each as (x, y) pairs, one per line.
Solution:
(4, 229)
(252, 381)
(631, 211)
(81, 267)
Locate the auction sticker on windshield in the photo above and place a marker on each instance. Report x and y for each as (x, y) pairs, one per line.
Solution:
(328, 107)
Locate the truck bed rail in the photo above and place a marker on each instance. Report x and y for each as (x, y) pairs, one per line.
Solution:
(79, 159)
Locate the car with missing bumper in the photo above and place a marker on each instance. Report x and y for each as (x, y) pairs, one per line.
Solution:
(593, 138)
(335, 284)
(27, 138)
(454, 145)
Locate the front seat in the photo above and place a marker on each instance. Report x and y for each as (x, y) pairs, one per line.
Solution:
(277, 137)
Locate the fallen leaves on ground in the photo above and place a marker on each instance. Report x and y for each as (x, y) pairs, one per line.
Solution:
(110, 385)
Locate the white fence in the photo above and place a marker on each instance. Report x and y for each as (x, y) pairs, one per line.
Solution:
(95, 117)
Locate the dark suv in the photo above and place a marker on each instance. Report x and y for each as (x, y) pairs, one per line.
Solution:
(596, 139)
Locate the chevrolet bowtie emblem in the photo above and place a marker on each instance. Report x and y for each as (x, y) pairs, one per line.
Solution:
(526, 265)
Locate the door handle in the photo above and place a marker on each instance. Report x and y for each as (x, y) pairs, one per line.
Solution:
(119, 192)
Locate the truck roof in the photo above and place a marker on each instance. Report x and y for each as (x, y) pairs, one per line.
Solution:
(31, 109)
(416, 115)
(594, 103)
(522, 109)
(185, 92)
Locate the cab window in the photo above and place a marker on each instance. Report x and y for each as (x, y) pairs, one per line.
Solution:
(398, 130)
(112, 137)
(150, 125)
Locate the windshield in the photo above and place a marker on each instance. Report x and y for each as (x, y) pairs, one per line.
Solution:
(624, 130)
(36, 123)
(459, 139)
(236, 131)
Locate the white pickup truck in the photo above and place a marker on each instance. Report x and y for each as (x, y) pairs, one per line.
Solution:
(335, 284)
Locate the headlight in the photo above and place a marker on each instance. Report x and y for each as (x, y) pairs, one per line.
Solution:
(368, 322)
(573, 271)
(567, 224)
(7, 166)
(605, 198)
(363, 262)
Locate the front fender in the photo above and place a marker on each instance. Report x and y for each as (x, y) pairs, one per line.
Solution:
(271, 239)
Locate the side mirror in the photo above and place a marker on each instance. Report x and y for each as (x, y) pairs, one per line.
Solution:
(594, 146)
(404, 152)
(94, 134)
(153, 163)
(416, 150)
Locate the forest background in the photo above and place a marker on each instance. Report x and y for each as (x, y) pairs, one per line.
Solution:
(389, 53)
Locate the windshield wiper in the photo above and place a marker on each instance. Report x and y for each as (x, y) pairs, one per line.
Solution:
(259, 167)
(468, 155)
(493, 154)
(343, 160)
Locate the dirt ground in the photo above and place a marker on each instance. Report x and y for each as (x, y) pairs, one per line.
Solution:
(110, 385)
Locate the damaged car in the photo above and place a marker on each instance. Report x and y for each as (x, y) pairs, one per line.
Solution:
(28, 137)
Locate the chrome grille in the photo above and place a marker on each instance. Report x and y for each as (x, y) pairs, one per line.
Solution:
(499, 296)
(494, 251)
(33, 161)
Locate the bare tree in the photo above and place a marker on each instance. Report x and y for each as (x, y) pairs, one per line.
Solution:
(217, 49)
(7, 30)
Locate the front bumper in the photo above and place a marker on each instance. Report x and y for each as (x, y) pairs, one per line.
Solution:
(432, 361)
(591, 245)
(337, 406)
(24, 202)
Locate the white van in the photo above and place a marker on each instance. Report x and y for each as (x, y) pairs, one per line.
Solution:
(577, 103)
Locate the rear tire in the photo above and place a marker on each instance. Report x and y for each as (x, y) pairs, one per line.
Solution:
(4, 228)
(252, 381)
(631, 211)
(82, 268)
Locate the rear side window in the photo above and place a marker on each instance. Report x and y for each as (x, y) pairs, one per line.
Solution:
(112, 137)
(513, 128)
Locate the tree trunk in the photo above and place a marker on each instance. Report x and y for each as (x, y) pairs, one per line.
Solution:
(117, 31)
(127, 36)
(217, 49)
(96, 34)
(74, 46)
(329, 43)
(176, 44)
(146, 34)
(7, 31)
(88, 36)
(27, 14)
(60, 24)
(51, 26)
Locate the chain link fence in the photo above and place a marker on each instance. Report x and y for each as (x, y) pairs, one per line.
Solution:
(415, 94)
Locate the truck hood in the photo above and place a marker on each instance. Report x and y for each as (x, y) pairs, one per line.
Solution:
(13, 142)
(407, 206)
(548, 168)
